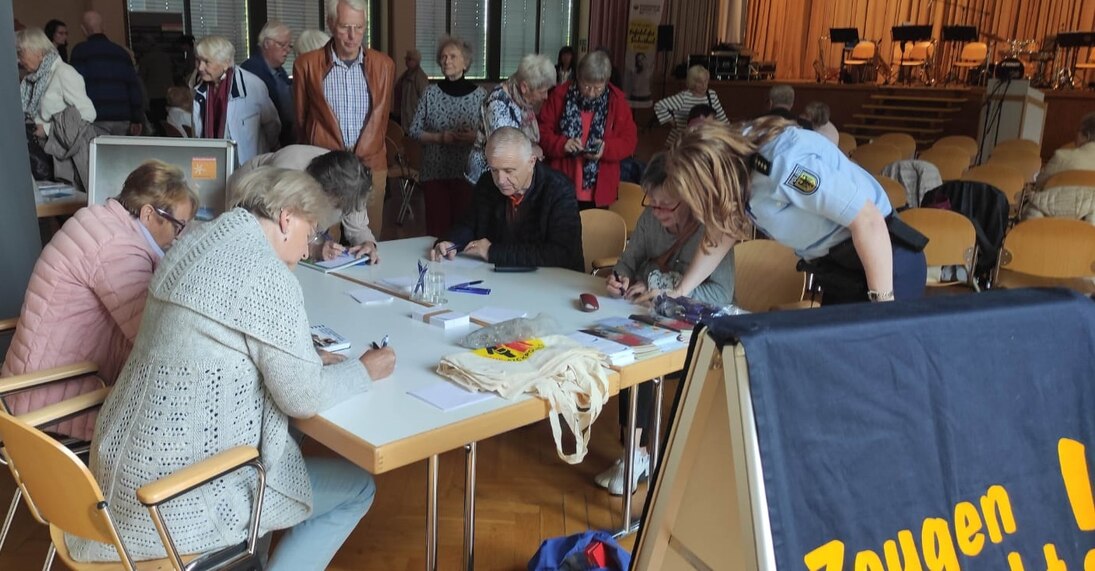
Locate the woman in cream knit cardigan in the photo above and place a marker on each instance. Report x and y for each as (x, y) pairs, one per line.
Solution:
(224, 357)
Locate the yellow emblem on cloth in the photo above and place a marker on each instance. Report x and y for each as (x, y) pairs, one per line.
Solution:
(515, 351)
(803, 180)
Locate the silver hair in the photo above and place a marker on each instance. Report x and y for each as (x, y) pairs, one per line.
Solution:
(817, 112)
(508, 137)
(536, 70)
(595, 67)
(1087, 127)
(462, 44)
(267, 191)
(216, 48)
(310, 40)
(782, 96)
(696, 75)
(344, 178)
(33, 40)
(271, 29)
(332, 9)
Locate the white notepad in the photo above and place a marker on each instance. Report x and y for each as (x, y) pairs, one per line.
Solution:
(446, 395)
(370, 296)
(490, 314)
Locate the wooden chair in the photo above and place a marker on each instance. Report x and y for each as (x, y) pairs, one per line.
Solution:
(1046, 252)
(1028, 164)
(952, 240)
(629, 204)
(874, 157)
(604, 234)
(862, 59)
(765, 277)
(396, 133)
(846, 142)
(1003, 177)
(63, 494)
(1088, 65)
(400, 171)
(967, 144)
(899, 197)
(1024, 144)
(973, 55)
(78, 404)
(903, 141)
(951, 161)
(1071, 178)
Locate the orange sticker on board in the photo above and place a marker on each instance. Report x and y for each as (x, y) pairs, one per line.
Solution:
(203, 168)
(515, 351)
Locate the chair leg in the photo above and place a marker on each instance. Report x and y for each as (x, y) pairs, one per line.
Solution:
(406, 192)
(11, 515)
(49, 557)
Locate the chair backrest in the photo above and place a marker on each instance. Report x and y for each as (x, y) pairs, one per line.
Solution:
(974, 52)
(919, 51)
(1022, 160)
(846, 142)
(899, 198)
(1003, 177)
(863, 50)
(604, 234)
(1050, 248)
(629, 204)
(59, 485)
(395, 132)
(765, 275)
(874, 157)
(903, 141)
(951, 161)
(1026, 144)
(1071, 178)
(967, 144)
(951, 236)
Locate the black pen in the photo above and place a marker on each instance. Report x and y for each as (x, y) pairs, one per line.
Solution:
(454, 247)
(619, 280)
(383, 343)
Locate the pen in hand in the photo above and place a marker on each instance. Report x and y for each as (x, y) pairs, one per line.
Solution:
(383, 343)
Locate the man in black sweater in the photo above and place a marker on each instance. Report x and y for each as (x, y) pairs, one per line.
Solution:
(111, 79)
(523, 214)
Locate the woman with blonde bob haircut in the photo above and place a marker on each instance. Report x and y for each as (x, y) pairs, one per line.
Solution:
(799, 189)
(675, 108)
(87, 293)
(225, 357)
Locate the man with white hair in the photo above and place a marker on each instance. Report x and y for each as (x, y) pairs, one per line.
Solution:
(781, 98)
(275, 41)
(343, 94)
(227, 100)
(111, 79)
(523, 214)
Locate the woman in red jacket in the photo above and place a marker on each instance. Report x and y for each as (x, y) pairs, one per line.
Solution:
(586, 129)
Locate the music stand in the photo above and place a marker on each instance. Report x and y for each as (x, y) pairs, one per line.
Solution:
(1073, 41)
(848, 36)
(905, 34)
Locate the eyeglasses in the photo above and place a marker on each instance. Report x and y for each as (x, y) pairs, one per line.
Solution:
(648, 204)
(178, 224)
(592, 88)
(318, 237)
(283, 45)
(350, 28)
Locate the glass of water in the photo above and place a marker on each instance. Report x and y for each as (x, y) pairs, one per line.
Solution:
(435, 286)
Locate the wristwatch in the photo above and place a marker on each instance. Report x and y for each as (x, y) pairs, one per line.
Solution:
(880, 295)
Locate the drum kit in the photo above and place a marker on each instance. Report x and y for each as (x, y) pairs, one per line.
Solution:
(1049, 65)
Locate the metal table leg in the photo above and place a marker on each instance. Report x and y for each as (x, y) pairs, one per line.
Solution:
(656, 424)
(629, 458)
(469, 506)
(431, 513)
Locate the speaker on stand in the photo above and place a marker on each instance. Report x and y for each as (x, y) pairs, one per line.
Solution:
(665, 46)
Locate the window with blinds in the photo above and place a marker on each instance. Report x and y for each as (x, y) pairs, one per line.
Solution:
(518, 37)
(227, 18)
(298, 15)
(556, 22)
(167, 6)
(466, 19)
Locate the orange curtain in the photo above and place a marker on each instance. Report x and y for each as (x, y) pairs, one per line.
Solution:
(788, 31)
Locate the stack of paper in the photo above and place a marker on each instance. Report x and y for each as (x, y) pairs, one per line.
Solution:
(618, 354)
(370, 296)
(343, 261)
(649, 334)
(447, 395)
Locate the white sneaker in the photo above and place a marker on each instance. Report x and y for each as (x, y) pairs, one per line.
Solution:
(612, 479)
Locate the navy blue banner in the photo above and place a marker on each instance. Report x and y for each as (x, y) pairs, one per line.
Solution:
(942, 434)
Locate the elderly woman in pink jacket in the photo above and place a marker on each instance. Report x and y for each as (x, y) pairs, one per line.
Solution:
(87, 292)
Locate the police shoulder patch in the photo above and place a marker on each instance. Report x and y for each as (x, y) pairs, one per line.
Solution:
(803, 180)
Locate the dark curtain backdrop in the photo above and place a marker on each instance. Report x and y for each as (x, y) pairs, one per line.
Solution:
(788, 31)
(694, 27)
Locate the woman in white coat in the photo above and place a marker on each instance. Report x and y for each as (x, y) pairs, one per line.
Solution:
(50, 85)
(231, 102)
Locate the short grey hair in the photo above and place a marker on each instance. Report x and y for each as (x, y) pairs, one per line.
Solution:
(1087, 127)
(595, 67)
(33, 40)
(781, 96)
(817, 112)
(216, 48)
(696, 74)
(464, 45)
(508, 137)
(271, 29)
(332, 9)
(311, 40)
(536, 70)
(344, 178)
(267, 191)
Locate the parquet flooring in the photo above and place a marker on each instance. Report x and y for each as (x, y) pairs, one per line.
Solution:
(524, 495)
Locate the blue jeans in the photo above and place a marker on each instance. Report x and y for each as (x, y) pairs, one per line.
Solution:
(341, 494)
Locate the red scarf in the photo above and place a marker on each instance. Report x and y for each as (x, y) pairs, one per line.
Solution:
(216, 107)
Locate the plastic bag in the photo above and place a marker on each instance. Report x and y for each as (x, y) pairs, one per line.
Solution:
(586, 551)
(690, 310)
(510, 331)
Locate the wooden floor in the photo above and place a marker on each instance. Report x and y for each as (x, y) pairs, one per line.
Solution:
(525, 494)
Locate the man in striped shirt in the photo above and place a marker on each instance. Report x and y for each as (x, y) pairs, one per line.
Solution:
(343, 94)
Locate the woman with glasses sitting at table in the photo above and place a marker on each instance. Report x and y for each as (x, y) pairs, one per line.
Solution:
(225, 357)
(87, 292)
(666, 238)
(586, 129)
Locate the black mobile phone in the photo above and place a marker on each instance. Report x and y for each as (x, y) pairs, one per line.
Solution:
(592, 147)
(514, 269)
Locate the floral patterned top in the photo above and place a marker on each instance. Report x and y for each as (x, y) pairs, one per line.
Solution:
(437, 112)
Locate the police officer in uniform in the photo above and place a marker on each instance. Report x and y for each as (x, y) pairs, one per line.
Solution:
(799, 189)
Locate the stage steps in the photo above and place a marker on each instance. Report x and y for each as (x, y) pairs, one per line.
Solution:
(922, 113)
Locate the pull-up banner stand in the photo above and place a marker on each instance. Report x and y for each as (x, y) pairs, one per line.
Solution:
(951, 433)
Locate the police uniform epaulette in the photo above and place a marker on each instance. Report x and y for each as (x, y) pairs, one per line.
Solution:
(761, 164)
